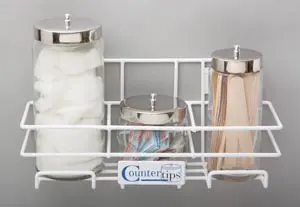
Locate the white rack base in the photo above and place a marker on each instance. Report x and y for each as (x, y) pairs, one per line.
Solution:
(197, 173)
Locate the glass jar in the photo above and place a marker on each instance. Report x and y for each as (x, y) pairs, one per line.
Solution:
(235, 99)
(152, 110)
(69, 90)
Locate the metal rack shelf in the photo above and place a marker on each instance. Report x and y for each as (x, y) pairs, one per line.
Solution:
(199, 171)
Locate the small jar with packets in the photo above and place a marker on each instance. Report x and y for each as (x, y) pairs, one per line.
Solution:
(152, 110)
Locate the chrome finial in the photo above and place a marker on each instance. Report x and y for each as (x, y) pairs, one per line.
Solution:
(153, 101)
(67, 21)
(236, 52)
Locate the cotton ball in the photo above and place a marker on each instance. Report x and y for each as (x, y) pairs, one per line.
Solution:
(81, 140)
(50, 94)
(93, 59)
(79, 60)
(46, 103)
(96, 109)
(72, 113)
(47, 65)
(48, 145)
(49, 118)
(101, 49)
(82, 89)
(100, 86)
(95, 136)
(72, 62)
(86, 140)
(43, 105)
(90, 110)
(74, 91)
(71, 141)
(43, 87)
(74, 140)
(69, 164)
(44, 145)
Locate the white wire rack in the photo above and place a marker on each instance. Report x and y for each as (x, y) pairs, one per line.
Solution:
(198, 170)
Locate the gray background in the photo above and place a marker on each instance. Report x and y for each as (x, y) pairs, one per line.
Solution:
(164, 28)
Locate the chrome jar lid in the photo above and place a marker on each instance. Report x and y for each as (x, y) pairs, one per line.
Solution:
(236, 60)
(153, 109)
(66, 30)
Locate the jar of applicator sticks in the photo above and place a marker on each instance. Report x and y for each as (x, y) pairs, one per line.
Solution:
(235, 99)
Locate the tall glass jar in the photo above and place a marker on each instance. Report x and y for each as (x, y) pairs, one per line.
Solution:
(69, 90)
(152, 110)
(235, 99)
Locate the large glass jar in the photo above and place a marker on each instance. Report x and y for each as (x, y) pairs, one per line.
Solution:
(69, 90)
(152, 110)
(235, 99)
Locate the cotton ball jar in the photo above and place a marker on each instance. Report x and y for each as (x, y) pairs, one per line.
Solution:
(69, 90)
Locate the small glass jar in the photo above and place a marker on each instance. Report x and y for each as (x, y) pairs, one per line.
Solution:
(68, 90)
(235, 99)
(152, 110)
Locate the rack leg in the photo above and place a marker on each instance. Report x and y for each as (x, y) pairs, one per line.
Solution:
(39, 176)
(263, 175)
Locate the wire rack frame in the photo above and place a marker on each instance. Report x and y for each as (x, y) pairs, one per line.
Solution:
(192, 127)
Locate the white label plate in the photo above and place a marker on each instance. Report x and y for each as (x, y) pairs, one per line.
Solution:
(151, 172)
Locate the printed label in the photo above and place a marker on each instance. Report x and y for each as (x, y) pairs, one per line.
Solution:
(151, 172)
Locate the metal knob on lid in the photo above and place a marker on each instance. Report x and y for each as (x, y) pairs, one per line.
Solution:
(153, 109)
(66, 30)
(237, 51)
(153, 101)
(236, 60)
(67, 21)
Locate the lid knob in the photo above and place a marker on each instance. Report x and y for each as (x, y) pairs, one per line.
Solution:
(67, 21)
(236, 52)
(153, 101)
